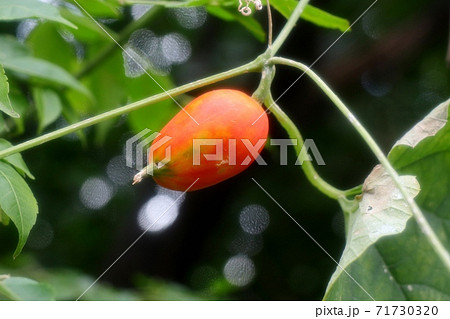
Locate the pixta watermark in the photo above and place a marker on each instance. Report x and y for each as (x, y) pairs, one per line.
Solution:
(219, 150)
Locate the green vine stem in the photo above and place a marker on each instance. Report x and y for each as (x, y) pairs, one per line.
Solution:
(290, 24)
(121, 38)
(307, 166)
(418, 215)
(267, 75)
(263, 94)
(253, 66)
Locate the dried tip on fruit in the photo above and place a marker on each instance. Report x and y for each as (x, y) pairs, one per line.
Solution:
(138, 178)
(146, 171)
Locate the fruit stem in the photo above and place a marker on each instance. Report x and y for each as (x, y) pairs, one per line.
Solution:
(265, 83)
(149, 170)
(143, 173)
(425, 227)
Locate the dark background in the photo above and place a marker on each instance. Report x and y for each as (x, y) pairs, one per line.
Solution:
(390, 70)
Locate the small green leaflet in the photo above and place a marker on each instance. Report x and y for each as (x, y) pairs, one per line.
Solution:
(22, 9)
(44, 70)
(311, 14)
(15, 57)
(100, 8)
(17, 201)
(15, 160)
(48, 106)
(5, 103)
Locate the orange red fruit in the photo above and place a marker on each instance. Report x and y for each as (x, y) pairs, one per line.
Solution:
(215, 137)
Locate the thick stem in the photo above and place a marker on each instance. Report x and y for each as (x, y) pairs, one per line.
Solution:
(265, 83)
(418, 215)
(249, 67)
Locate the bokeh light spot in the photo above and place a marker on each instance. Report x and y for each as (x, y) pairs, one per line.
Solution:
(190, 18)
(254, 219)
(239, 270)
(158, 213)
(175, 48)
(138, 10)
(95, 193)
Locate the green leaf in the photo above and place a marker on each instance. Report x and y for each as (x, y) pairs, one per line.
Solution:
(405, 266)
(48, 106)
(15, 160)
(99, 8)
(88, 30)
(220, 13)
(12, 48)
(16, 57)
(20, 104)
(425, 129)
(48, 35)
(108, 88)
(18, 202)
(43, 70)
(382, 211)
(311, 14)
(3, 127)
(5, 103)
(24, 289)
(324, 19)
(4, 219)
(22, 9)
(425, 152)
(250, 23)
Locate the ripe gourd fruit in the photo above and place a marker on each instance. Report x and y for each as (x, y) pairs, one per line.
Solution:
(227, 120)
